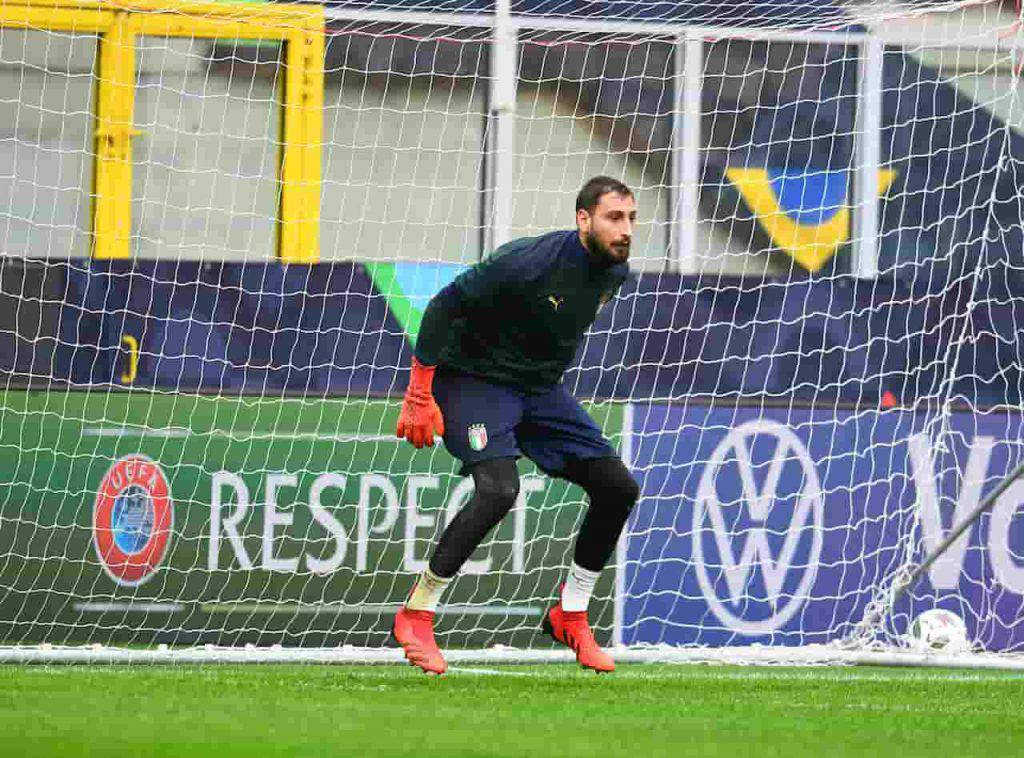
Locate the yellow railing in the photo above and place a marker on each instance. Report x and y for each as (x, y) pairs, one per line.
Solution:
(118, 24)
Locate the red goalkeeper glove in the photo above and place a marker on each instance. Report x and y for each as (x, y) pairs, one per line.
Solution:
(420, 418)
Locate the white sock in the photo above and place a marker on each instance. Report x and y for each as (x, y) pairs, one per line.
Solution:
(579, 585)
(427, 592)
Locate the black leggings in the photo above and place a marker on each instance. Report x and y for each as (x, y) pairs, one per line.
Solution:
(607, 482)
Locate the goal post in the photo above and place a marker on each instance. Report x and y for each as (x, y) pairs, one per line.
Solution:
(118, 25)
(215, 255)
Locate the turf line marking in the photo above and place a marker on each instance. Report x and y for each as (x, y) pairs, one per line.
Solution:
(335, 609)
(816, 674)
(177, 432)
(496, 672)
(132, 607)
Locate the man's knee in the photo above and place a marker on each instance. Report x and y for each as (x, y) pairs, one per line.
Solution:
(497, 483)
(607, 480)
(629, 489)
(620, 484)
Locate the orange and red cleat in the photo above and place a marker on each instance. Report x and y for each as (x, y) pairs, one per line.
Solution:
(571, 628)
(414, 631)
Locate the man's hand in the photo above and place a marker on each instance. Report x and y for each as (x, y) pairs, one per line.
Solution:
(420, 418)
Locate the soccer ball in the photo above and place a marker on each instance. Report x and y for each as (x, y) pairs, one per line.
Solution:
(938, 630)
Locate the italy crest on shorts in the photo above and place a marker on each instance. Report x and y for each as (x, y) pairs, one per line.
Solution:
(478, 437)
(132, 520)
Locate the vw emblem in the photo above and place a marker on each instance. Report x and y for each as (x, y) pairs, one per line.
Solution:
(757, 527)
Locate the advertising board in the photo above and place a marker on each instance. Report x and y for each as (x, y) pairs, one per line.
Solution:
(778, 525)
(148, 517)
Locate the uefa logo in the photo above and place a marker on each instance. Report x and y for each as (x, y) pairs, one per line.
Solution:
(758, 524)
(132, 520)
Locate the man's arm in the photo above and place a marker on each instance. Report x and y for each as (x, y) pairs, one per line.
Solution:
(443, 308)
(475, 288)
(480, 286)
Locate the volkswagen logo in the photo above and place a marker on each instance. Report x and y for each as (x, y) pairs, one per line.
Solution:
(757, 527)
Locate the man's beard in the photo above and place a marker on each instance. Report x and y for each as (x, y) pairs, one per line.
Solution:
(602, 252)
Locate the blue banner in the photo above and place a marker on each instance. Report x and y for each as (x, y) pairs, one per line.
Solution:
(777, 526)
(347, 329)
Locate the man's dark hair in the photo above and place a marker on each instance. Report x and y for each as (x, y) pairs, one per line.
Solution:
(597, 187)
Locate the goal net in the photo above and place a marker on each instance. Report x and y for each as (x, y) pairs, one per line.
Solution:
(220, 225)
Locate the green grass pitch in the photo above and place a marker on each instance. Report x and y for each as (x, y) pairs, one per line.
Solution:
(640, 711)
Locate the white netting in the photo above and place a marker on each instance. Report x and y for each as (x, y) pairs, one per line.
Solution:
(814, 374)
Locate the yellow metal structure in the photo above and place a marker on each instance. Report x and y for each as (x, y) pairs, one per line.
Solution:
(118, 24)
(115, 103)
(300, 165)
(133, 358)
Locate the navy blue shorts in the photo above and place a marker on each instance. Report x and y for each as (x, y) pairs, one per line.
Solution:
(484, 421)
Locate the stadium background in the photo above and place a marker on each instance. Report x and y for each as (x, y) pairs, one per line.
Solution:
(217, 321)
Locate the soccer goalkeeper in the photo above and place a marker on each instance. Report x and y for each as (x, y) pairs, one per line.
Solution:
(486, 375)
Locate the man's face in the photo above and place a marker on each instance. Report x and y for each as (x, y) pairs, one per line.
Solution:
(607, 230)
